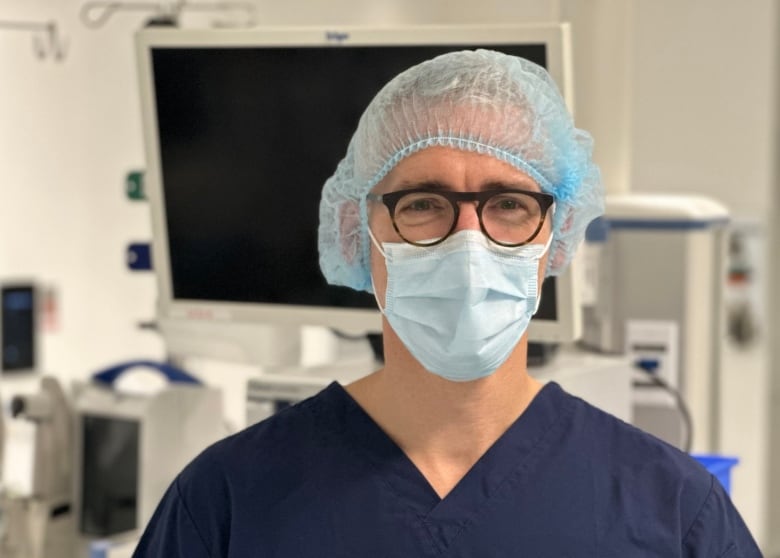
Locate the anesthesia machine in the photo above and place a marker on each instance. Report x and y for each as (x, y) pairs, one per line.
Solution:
(660, 265)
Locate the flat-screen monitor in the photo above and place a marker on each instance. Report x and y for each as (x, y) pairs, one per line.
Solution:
(109, 471)
(17, 328)
(242, 128)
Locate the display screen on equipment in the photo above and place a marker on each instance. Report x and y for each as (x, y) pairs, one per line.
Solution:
(247, 138)
(109, 481)
(17, 330)
(242, 129)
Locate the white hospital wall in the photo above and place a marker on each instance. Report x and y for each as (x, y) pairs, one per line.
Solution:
(703, 98)
(702, 89)
(677, 94)
(70, 130)
(773, 507)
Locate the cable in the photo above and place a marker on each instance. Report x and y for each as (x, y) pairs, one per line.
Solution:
(348, 336)
(650, 368)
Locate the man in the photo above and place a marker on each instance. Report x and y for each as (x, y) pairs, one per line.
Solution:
(464, 185)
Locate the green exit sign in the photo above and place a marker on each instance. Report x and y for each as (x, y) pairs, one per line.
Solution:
(135, 185)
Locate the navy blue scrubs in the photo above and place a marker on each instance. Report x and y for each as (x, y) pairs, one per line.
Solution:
(321, 479)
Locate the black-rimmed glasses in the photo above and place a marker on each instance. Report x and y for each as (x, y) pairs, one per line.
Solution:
(425, 217)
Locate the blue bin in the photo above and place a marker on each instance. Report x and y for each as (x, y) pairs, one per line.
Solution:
(720, 466)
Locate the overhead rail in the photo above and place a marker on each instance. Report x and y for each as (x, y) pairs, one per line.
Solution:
(96, 13)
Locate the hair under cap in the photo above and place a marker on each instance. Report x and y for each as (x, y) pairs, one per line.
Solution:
(481, 101)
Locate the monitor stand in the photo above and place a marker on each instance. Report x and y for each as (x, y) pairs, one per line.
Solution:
(330, 354)
(309, 351)
(260, 345)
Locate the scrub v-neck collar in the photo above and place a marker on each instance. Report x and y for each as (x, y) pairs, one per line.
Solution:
(440, 520)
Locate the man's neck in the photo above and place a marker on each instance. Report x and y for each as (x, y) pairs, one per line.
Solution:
(444, 427)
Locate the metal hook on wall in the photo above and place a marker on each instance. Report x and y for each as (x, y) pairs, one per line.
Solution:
(51, 44)
(96, 13)
(47, 42)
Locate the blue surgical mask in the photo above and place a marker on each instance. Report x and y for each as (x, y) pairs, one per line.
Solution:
(460, 307)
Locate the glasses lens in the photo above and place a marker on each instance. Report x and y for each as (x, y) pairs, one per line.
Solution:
(423, 217)
(511, 217)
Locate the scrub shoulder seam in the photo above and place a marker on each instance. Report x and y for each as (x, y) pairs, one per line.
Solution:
(189, 516)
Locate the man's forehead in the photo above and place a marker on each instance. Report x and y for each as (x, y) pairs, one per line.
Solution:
(454, 169)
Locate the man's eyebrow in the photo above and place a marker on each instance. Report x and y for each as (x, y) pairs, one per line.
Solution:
(528, 184)
(511, 185)
(424, 184)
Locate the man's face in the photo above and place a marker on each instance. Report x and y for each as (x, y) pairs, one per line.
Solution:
(453, 169)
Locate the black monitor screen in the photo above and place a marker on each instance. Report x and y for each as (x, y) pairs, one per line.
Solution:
(247, 138)
(109, 475)
(17, 306)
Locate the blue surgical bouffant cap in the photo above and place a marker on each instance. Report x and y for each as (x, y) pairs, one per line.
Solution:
(481, 101)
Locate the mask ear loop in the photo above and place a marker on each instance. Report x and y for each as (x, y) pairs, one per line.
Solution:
(532, 251)
(549, 240)
(538, 285)
(545, 249)
(373, 286)
(541, 255)
(376, 243)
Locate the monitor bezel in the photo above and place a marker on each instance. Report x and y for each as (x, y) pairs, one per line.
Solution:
(555, 37)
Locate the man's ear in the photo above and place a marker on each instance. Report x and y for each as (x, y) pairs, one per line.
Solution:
(349, 230)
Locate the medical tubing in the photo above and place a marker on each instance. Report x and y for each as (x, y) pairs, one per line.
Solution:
(649, 369)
